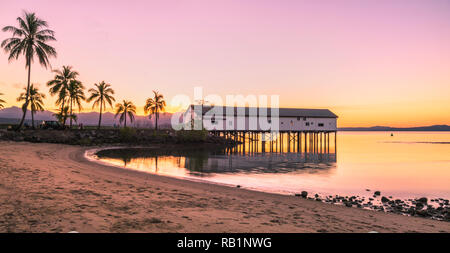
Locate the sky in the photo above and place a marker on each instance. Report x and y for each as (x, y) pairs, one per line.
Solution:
(370, 62)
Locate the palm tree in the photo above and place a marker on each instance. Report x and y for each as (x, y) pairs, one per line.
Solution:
(125, 109)
(76, 95)
(63, 114)
(103, 93)
(154, 106)
(29, 39)
(60, 84)
(1, 102)
(35, 101)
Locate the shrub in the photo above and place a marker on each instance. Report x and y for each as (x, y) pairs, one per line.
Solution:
(127, 135)
(192, 135)
(85, 142)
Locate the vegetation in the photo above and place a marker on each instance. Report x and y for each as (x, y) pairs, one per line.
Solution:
(2, 102)
(101, 95)
(35, 101)
(191, 135)
(125, 109)
(63, 114)
(60, 85)
(127, 135)
(154, 106)
(30, 39)
(76, 95)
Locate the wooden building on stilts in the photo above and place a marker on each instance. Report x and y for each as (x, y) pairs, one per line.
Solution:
(278, 129)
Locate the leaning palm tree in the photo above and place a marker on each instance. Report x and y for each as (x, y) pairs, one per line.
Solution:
(1, 102)
(102, 95)
(76, 95)
(35, 101)
(125, 109)
(60, 84)
(29, 39)
(154, 106)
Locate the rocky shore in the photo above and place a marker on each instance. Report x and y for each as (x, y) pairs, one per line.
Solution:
(437, 208)
(112, 136)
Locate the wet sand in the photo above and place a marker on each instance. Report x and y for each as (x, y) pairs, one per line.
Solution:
(53, 188)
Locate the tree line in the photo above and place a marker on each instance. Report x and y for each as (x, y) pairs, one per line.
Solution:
(30, 39)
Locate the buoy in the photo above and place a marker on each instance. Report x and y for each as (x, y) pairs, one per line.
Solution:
(392, 134)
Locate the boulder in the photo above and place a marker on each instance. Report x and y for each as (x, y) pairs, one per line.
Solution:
(304, 194)
(423, 200)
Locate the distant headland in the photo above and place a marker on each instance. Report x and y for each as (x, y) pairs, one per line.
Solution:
(386, 128)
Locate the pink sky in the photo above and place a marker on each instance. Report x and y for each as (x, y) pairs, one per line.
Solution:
(371, 62)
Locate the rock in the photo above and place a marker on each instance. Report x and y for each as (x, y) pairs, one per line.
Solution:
(422, 213)
(238, 186)
(384, 199)
(447, 217)
(419, 206)
(422, 200)
(304, 194)
(377, 193)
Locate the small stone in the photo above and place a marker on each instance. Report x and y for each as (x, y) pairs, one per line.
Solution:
(377, 193)
(384, 199)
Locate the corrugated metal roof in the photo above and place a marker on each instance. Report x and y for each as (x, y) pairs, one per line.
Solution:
(283, 112)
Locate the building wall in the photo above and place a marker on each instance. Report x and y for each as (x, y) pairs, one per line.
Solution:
(284, 124)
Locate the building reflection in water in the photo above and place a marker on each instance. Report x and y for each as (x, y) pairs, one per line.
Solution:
(248, 157)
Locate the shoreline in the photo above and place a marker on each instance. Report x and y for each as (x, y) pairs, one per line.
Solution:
(56, 189)
(431, 208)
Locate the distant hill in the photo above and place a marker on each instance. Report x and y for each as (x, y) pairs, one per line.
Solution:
(386, 128)
(11, 115)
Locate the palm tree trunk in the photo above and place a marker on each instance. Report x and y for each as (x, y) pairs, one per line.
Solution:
(32, 119)
(65, 116)
(71, 113)
(125, 125)
(156, 120)
(100, 117)
(24, 109)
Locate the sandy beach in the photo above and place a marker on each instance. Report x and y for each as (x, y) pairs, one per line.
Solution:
(53, 188)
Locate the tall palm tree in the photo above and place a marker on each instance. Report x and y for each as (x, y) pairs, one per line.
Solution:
(35, 101)
(154, 106)
(1, 102)
(76, 95)
(125, 109)
(60, 84)
(103, 93)
(30, 39)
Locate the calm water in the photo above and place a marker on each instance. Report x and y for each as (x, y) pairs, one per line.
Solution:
(408, 164)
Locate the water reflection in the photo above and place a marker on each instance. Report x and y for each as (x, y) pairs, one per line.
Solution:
(404, 165)
(202, 162)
